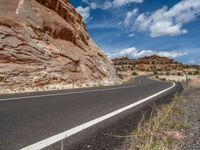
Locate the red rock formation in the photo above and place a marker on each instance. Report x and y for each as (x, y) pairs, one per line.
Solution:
(147, 63)
(155, 59)
(45, 42)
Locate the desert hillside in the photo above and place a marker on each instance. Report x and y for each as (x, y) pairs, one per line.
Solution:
(46, 44)
(154, 65)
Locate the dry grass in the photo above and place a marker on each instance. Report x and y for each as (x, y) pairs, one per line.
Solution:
(161, 132)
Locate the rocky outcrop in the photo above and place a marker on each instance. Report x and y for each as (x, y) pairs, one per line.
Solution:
(45, 43)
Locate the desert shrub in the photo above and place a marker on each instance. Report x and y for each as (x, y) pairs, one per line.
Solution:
(189, 73)
(155, 73)
(119, 69)
(196, 72)
(134, 73)
(167, 73)
(169, 69)
(133, 65)
(163, 79)
(142, 69)
(159, 69)
(179, 74)
(121, 76)
(173, 73)
(147, 70)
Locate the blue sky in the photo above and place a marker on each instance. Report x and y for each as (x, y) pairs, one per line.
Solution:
(144, 27)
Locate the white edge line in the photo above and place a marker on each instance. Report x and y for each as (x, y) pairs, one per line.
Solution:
(56, 138)
(68, 93)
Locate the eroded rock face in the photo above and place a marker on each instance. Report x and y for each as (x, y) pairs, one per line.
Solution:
(45, 42)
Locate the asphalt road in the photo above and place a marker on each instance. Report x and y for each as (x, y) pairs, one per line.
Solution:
(29, 118)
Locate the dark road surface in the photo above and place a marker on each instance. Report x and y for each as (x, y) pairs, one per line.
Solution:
(32, 118)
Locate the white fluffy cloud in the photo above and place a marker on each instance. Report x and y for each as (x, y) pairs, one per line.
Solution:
(135, 53)
(93, 5)
(167, 21)
(129, 17)
(194, 61)
(84, 12)
(119, 3)
(131, 35)
(105, 5)
(109, 3)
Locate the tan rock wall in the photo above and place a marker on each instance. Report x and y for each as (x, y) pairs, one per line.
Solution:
(45, 42)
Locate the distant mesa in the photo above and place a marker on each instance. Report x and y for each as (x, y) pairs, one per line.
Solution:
(153, 59)
(153, 63)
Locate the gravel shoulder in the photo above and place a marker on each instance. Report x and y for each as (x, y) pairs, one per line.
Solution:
(171, 126)
(191, 115)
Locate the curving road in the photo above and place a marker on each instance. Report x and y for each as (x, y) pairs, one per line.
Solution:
(49, 117)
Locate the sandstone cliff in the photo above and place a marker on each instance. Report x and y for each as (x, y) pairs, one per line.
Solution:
(44, 43)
